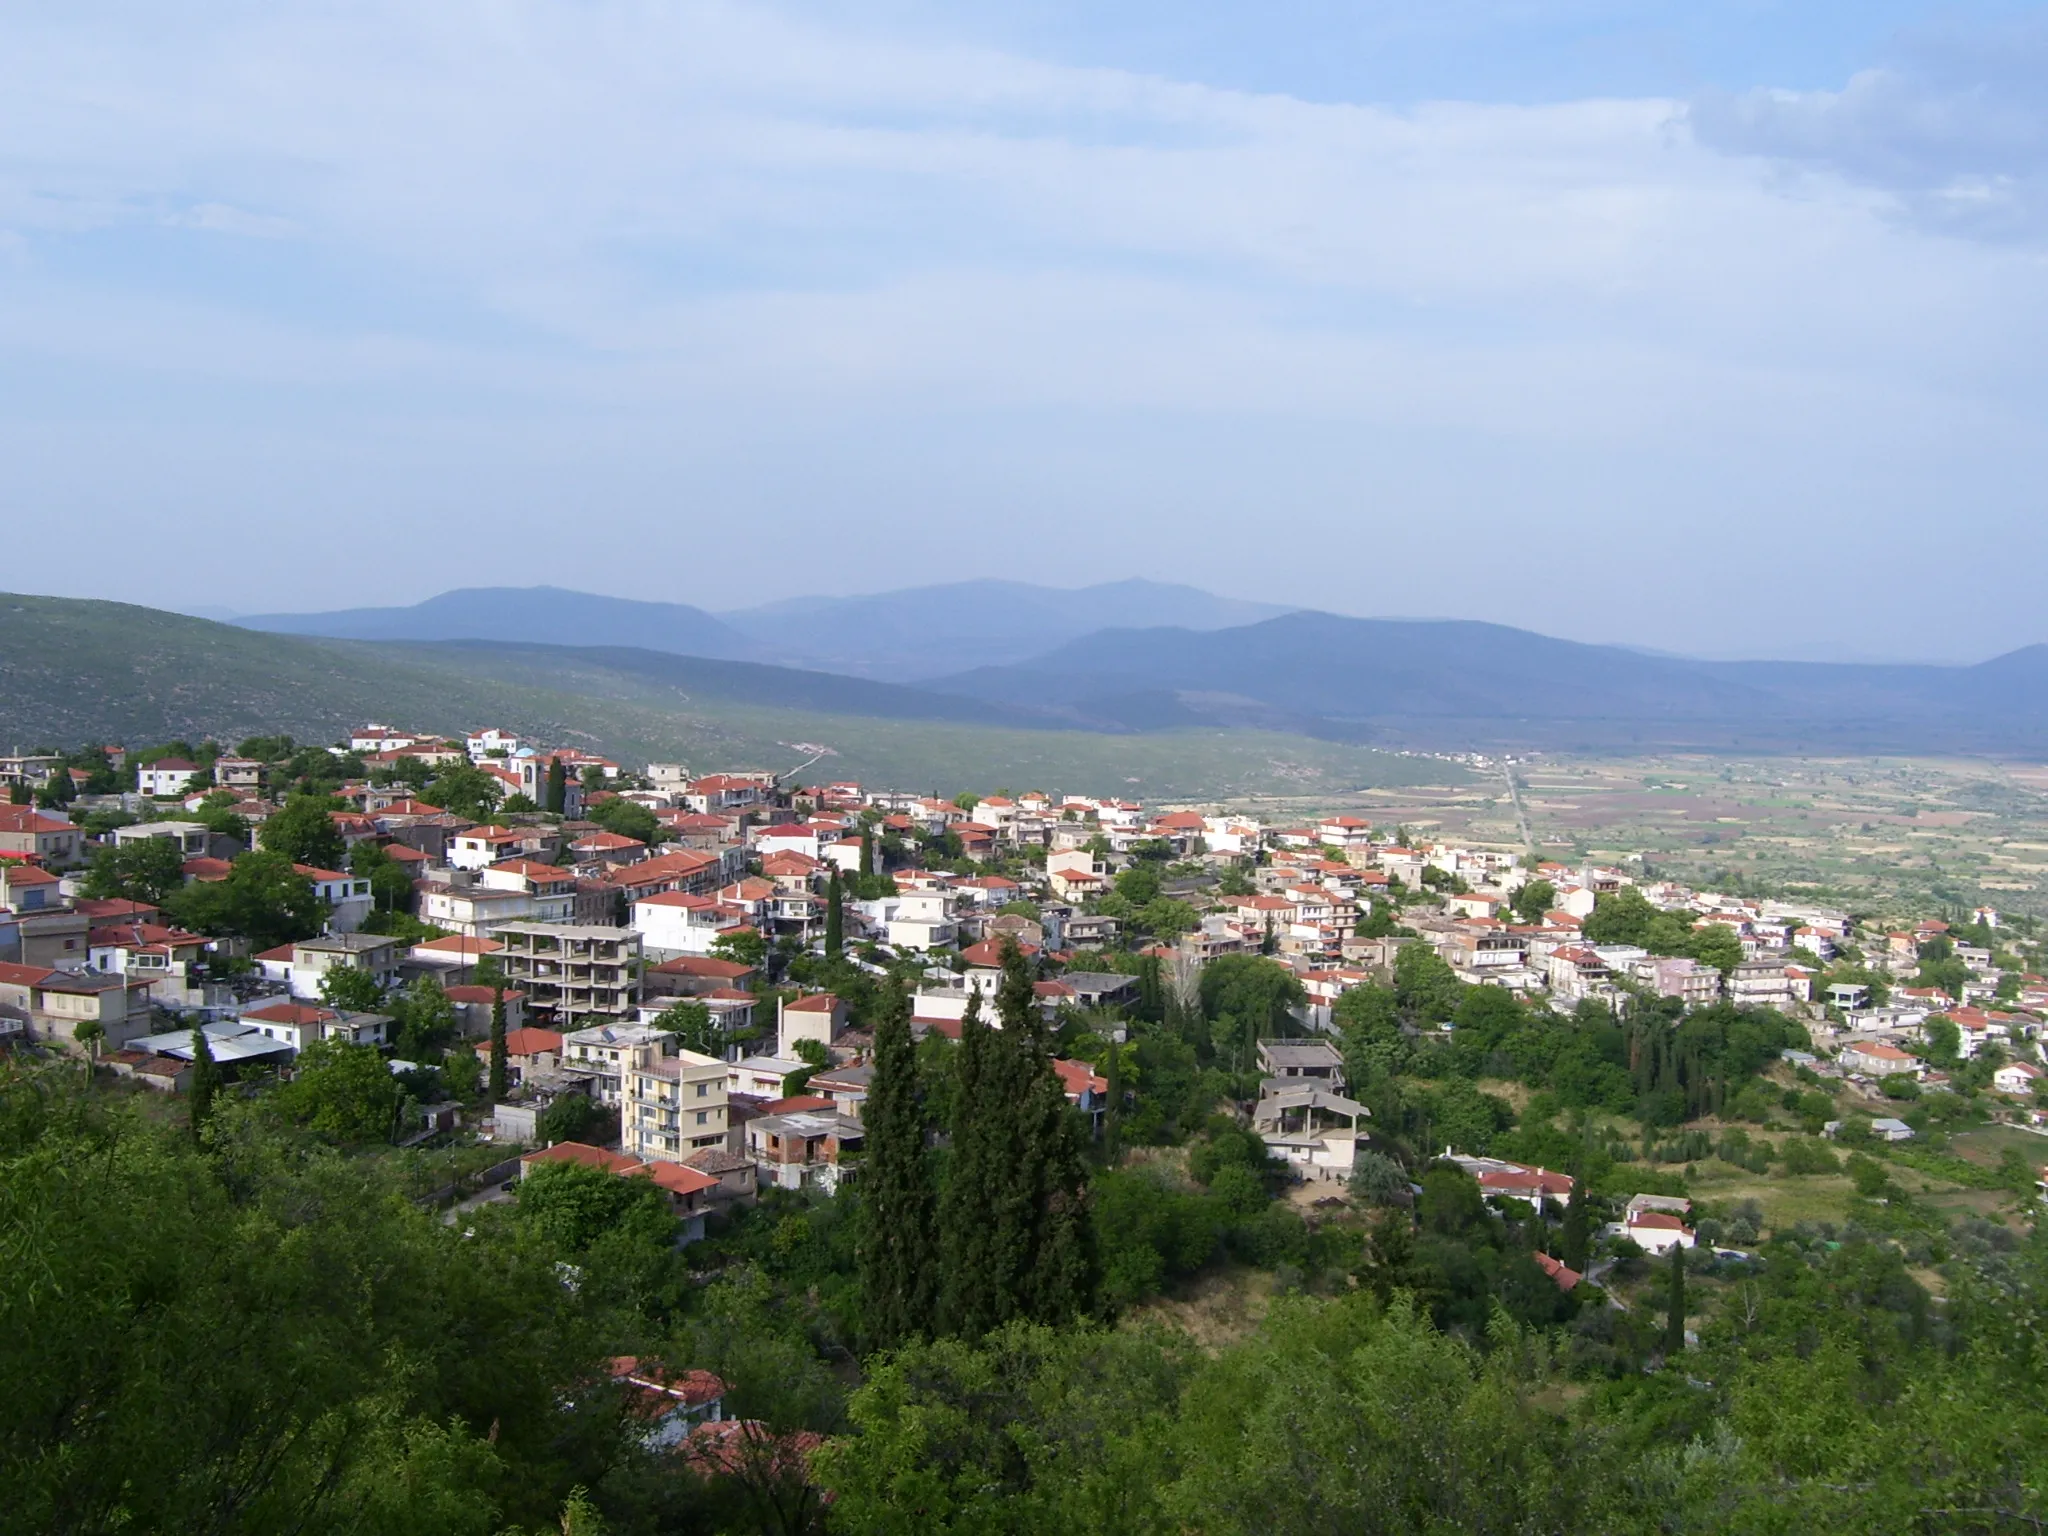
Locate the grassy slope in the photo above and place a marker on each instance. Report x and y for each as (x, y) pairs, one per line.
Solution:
(74, 671)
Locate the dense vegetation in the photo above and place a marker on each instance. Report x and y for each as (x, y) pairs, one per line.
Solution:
(256, 1332)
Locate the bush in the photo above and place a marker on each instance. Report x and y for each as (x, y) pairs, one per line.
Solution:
(572, 1117)
(1150, 1232)
(1377, 1179)
(1738, 1147)
(1869, 1176)
(1805, 1156)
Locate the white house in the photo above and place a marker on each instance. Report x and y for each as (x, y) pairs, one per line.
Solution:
(2017, 1077)
(166, 776)
(298, 1025)
(491, 742)
(1658, 1231)
(675, 923)
(920, 919)
(347, 896)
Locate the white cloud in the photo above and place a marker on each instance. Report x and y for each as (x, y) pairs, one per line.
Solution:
(1955, 127)
(754, 248)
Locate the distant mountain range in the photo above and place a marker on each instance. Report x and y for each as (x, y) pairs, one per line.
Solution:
(72, 670)
(895, 636)
(1449, 682)
(898, 635)
(524, 614)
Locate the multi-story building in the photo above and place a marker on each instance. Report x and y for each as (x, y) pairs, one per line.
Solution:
(675, 1104)
(603, 1054)
(33, 834)
(573, 971)
(312, 959)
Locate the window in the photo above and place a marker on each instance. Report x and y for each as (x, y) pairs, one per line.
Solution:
(703, 1090)
(703, 1117)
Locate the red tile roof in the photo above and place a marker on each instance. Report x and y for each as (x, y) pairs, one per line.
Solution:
(523, 1042)
(290, 1013)
(1078, 1077)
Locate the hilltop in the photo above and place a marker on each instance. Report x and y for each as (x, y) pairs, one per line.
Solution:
(74, 670)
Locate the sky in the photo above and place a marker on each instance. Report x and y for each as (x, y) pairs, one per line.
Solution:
(1715, 327)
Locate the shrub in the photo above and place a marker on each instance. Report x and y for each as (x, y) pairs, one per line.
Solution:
(1802, 1155)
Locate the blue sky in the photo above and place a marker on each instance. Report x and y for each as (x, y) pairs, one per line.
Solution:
(1715, 327)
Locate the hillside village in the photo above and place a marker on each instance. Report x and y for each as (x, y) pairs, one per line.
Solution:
(658, 944)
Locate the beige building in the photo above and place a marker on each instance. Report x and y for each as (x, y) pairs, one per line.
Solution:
(675, 1105)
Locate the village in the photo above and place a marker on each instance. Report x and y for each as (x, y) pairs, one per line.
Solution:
(658, 973)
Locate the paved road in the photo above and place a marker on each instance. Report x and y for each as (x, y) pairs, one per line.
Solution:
(1521, 816)
(497, 1194)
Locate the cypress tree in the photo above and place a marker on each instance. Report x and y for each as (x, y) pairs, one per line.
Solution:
(898, 1252)
(1113, 1111)
(205, 1079)
(1017, 1234)
(974, 1179)
(867, 854)
(835, 918)
(1056, 1279)
(1151, 1002)
(1674, 1315)
(1578, 1229)
(498, 1061)
(558, 786)
(1016, 1000)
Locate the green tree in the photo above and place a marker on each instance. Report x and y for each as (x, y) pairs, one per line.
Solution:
(1535, 898)
(573, 1206)
(350, 989)
(1674, 1305)
(1015, 1227)
(464, 790)
(147, 869)
(390, 885)
(1247, 998)
(263, 900)
(1943, 1038)
(1425, 987)
(205, 1081)
(569, 1117)
(1377, 1179)
(1715, 944)
(626, 818)
(426, 1019)
(743, 946)
(693, 1026)
(1576, 1242)
(835, 918)
(343, 1092)
(500, 1066)
(558, 787)
(304, 832)
(898, 1244)
(1620, 917)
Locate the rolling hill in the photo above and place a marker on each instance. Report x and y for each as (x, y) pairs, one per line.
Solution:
(1456, 683)
(519, 614)
(75, 671)
(895, 635)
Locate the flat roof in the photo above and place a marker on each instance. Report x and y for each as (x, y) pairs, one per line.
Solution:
(569, 930)
(348, 943)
